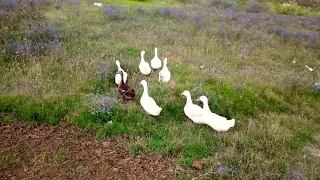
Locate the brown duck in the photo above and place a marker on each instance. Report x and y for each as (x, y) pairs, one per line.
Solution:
(126, 92)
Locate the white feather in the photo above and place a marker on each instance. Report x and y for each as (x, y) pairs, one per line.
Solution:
(148, 103)
(164, 74)
(155, 62)
(144, 67)
(118, 76)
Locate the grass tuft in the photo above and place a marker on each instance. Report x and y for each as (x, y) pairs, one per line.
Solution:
(10, 161)
(60, 156)
(228, 100)
(35, 110)
(300, 140)
(131, 52)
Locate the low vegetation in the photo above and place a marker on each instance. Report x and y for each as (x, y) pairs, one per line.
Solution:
(58, 63)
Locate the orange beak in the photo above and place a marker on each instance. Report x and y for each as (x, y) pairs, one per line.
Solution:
(198, 99)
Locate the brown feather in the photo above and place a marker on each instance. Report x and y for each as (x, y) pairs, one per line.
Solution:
(125, 91)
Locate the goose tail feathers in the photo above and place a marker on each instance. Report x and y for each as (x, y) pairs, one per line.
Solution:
(232, 122)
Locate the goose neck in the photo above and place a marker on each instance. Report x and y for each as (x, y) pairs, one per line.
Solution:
(142, 58)
(165, 65)
(189, 100)
(156, 52)
(206, 106)
(145, 90)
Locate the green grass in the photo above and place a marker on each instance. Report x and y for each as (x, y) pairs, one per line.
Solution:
(60, 156)
(300, 140)
(49, 110)
(7, 118)
(292, 9)
(229, 100)
(248, 77)
(10, 161)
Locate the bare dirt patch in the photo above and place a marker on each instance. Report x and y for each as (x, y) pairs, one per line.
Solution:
(70, 152)
(313, 150)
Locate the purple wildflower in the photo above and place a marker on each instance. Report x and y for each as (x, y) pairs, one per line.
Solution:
(163, 11)
(10, 4)
(295, 174)
(254, 7)
(231, 14)
(285, 33)
(223, 4)
(313, 40)
(140, 10)
(22, 48)
(35, 31)
(103, 70)
(301, 35)
(5, 15)
(108, 101)
(59, 5)
(280, 31)
(171, 12)
(224, 170)
(105, 104)
(289, 33)
(178, 13)
(45, 2)
(75, 2)
(55, 46)
(114, 12)
(253, 17)
(238, 33)
(220, 28)
(199, 19)
(16, 47)
(310, 22)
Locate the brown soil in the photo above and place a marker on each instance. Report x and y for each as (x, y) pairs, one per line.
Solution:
(70, 152)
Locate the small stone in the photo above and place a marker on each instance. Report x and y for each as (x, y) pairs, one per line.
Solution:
(115, 169)
(198, 164)
(309, 68)
(223, 170)
(125, 136)
(98, 152)
(106, 143)
(315, 87)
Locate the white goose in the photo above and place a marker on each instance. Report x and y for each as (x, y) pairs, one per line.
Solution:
(164, 74)
(147, 102)
(118, 76)
(218, 123)
(156, 62)
(144, 67)
(194, 112)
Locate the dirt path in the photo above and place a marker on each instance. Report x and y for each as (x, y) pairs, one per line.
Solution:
(69, 152)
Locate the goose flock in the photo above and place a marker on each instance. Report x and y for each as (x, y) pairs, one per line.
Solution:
(194, 112)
